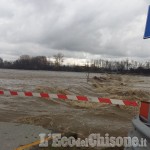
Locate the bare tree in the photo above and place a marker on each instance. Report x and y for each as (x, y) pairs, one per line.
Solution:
(59, 58)
(1, 62)
(25, 57)
(88, 71)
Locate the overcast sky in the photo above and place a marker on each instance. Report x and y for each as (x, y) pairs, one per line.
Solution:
(76, 28)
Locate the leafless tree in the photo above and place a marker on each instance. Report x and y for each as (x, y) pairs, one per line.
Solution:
(59, 58)
(88, 71)
(25, 57)
(1, 62)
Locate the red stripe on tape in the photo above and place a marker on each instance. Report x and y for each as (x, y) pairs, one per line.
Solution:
(82, 98)
(28, 93)
(130, 103)
(61, 96)
(45, 95)
(1, 92)
(104, 100)
(13, 93)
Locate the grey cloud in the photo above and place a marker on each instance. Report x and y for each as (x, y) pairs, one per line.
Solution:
(95, 27)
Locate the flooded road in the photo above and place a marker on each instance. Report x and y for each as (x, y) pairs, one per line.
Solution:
(79, 117)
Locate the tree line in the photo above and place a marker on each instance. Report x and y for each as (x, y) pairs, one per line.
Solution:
(27, 62)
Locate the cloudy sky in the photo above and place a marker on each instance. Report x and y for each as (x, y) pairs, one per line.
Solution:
(77, 28)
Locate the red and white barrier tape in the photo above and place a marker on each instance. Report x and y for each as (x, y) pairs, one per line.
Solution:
(70, 97)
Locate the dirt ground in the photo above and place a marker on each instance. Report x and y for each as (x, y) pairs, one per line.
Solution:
(82, 118)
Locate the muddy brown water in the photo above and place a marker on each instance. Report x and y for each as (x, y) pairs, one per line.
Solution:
(78, 117)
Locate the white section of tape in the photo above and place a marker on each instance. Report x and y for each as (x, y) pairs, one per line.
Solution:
(7, 93)
(21, 94)
(115, 101)
(53, 95)
(93, 99)
(36, 94)
(72, 97)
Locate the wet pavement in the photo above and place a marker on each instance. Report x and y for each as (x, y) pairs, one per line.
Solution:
(14, 135)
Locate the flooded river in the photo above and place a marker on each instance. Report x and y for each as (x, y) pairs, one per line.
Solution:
(79, 117)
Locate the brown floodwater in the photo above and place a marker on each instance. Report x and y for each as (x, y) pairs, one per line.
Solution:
(80, 117)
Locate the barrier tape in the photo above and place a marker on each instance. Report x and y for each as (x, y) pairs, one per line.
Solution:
(70, 97)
